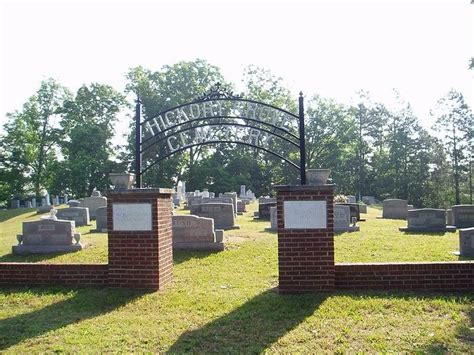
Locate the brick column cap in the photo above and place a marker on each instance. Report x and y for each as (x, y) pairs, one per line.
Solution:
(145, 191)
(304, 187)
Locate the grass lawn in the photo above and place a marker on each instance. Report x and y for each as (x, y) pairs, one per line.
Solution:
(225, 302)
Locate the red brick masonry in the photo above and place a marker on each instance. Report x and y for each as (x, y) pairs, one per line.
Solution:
(441, 276)
(306, 257)
(47, 274)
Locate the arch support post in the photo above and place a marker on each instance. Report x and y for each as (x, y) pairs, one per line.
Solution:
(138, 144)
(302, 141)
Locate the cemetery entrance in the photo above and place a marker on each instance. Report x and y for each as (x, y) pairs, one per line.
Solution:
(220, 117)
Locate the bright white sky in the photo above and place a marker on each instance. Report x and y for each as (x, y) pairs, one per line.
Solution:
(420, 48)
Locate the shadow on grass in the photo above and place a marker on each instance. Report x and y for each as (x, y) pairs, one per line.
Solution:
(252, 327)
(259, 323)
(180, 256)
(84, 304)
(9, 214)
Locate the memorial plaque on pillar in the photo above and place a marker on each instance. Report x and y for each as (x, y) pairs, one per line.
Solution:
(304, 214)
(131, 217)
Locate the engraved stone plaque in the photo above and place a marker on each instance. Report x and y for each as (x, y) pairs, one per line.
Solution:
(305, 214)
(131, 216)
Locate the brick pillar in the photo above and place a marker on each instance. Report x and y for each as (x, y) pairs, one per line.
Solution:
(305, 238)
(140, 238)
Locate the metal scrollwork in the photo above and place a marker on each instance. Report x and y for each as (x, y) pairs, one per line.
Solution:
(219, 91)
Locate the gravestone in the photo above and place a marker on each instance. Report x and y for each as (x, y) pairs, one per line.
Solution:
(222, 213)
(176, 199)
(342, 219)
(79, 215)
(264, 210)
(28, 204)
(196, 233)
(101, 220)
(273, 219)
(232, 195)
(44, 209)
(463, 216)
(56, 200)
(202, 200)
(93, 203)
(205, 193)
(427, 220)
(212, 195)
(15, 204)
(242, 191)
(241, 207)
(354, 210)
(449, 217)
(410, 207)
(395, 209)
(351, 199)
(47, 201)
(369, 200)
(33, 202)
(66, 199)
(48, 235)
(74, 203)
(250, 195)
(362, 208)
(466, 242)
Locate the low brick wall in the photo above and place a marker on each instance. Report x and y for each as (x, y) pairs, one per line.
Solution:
(438, 276)
(53, 274)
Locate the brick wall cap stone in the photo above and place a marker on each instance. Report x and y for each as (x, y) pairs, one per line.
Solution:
(304, 187)
(145, 191)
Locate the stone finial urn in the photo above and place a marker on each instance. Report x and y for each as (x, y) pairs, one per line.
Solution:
(122, 181)
(317, 176)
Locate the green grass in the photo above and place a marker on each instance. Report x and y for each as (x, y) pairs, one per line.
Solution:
(226, 302)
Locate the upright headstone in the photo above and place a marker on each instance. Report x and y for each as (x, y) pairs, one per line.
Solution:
(264, 210)
(15, 204)
(66, 199)
(466, 242)
(79, 215)
(101, 220)
(205, 193)
(370, 200)
(427, 220)
(28, 204)
(395, 209)
(242, 191)
(195, 233)
(342, 219)
(463, 216)
(354, 210)
(93, 203)
(47, 199)
(33, 202)
(351, 199)
(56, 200)
(241, 206)
(273, 219)
(212, 195)
(449, 217)
(222, 213)
(232, 195)
(363, 208)
(48, 235)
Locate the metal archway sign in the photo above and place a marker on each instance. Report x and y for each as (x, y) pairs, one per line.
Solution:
(220, 117)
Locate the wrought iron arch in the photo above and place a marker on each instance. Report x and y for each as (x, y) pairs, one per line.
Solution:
(216, 96)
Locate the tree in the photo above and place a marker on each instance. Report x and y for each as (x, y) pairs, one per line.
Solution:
(88, 127)
(455, 122)
(171, 86)
(32, 134)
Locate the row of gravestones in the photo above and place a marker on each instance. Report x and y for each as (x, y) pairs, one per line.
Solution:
(56, 233)
(429, 219)
(43, 202)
